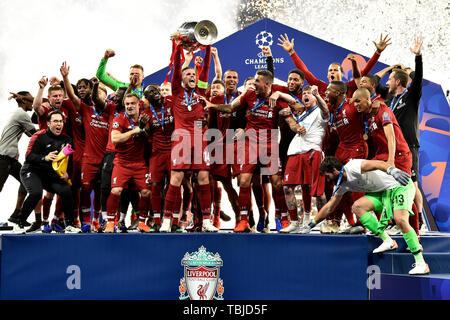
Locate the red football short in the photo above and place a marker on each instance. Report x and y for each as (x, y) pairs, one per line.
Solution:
(189, 153)
(159, 166)
(344, 154)
(90, 172)
(220, 166)
(304, 169)
(258, 155)
(133, 175)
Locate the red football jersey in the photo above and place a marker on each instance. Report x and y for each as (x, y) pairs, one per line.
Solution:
(260, 116)
(76, 124)
(96, 127)
(188, 109)
(375, 125)
(65, 109)
(161, 135)
(349, 126)
(132, 150)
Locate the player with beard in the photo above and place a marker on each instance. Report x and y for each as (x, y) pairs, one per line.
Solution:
(42, 109)
(347, 122)
(220, 94)
(262, 119)
(37, 172)
(388, 144)
(405, 106)
(305, 155)
(135, 71)
(189, 116)
(381, 124)
(130, 168)
(107, 165)
(335, 71)
(294, 86)
(96, 120)
(386, 189)
(84, 91)
(161, 126)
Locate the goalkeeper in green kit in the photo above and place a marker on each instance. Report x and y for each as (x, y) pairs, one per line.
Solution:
(136, 71)
(388, 190)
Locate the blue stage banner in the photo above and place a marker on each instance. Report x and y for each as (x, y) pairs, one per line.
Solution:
(183, 266)
(242, 51)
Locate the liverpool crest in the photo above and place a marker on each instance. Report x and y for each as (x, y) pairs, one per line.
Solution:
(201, 276)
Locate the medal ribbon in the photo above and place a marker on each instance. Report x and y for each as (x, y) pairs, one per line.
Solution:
(298, 120)
(334, 115)
(394, 106)
(160, 121)
(341, 174)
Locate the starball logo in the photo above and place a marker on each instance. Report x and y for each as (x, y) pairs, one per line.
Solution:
(262, 39)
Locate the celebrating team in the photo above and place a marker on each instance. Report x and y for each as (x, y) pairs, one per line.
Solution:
(168, 148)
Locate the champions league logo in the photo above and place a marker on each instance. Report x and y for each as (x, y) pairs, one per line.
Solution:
(262, 39)
(201, 276)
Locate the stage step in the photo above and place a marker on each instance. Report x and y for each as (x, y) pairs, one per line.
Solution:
(405, 287)
(431, 242)
(401, 263)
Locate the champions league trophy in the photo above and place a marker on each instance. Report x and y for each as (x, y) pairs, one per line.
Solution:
(194, 35)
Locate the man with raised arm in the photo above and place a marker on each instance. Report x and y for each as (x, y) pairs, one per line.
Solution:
(262, 121)
(42, 109)
(335, 71)
(161, 126)
(405, 106)
(96, 120)
(305, 156)
(38, 174)
(388, 190)
(130, 168)
(189, 149)
(136, 70)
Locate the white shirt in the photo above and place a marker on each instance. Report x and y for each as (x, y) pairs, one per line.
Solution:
(367, 182)
(315, 127)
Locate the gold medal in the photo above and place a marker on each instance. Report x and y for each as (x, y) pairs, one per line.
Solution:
(365, 136)
(248, 113)
(189, 108)
(331, 129)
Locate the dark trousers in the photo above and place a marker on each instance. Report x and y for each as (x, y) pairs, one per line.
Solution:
(35, 183)
(10, 166)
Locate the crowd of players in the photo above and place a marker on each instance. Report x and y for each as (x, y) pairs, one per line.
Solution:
(146, 146)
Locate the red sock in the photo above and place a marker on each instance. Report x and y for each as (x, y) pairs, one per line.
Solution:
(280, 201)
(187, 199)
(58, 207)
(244, 202)
(76, 203)
(85, 202)
(156, 203)
(204, 196)
(348, 209)
(143, 208)
(170, 201)
(46, 204)
(217, 201)
(176, 209)
(293, 214)
(113, 206)
(414, 220)
(306, 197)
